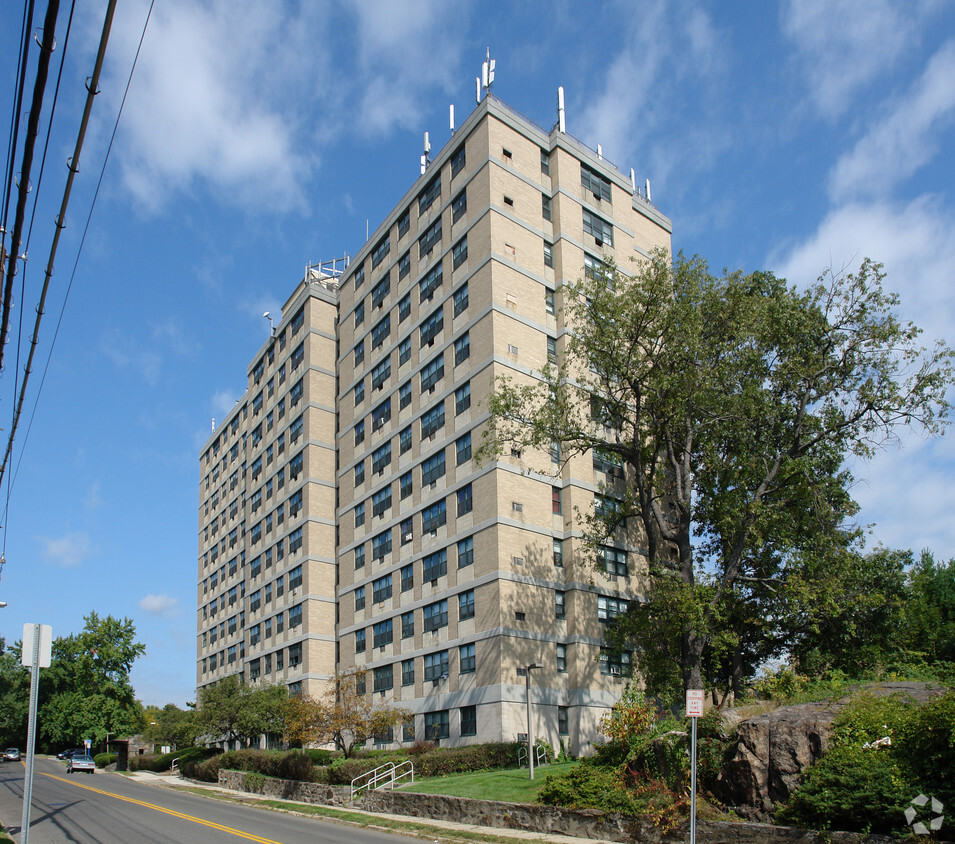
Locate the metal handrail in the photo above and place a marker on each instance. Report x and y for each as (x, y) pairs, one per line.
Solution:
(384, 776)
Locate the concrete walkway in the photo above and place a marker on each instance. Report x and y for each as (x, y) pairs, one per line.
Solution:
(175, 781)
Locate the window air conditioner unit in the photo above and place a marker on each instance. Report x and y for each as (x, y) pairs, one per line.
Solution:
(614, 670)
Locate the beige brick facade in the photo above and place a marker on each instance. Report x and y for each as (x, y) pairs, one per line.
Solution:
(448, 577)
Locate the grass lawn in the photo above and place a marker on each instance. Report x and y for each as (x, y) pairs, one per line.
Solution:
(512, 784)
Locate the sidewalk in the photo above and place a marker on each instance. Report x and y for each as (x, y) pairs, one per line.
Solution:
(175, 781)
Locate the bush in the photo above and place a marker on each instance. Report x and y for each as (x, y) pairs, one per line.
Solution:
(322, 757)
(160, 763)
(279, 764)
(101, 760)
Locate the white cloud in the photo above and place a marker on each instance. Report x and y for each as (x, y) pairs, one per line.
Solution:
(93, 500)
(844, 45)
(126, 354)
(211, 100)
(66, 551)
(405, 50)
(915, 242)
(164, 605)
(904, 140)
(223, 402)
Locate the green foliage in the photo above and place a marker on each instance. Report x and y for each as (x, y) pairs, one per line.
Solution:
(172, 725)
(280, 764)
(238, 712)
(161, 762)
(103, 759)
(320, 757)
(731, 403)
(629, 719)
(863, 788)
(784, 685)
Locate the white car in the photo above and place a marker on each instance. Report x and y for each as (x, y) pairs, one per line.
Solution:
(80, 762)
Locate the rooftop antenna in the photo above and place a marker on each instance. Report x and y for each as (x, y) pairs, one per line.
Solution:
(487, 73)
(213, 424)
(477, 89)
(561, 125)
(452, 118)
(600, 152)
(426, 155)
(648, 191)
(633, 180)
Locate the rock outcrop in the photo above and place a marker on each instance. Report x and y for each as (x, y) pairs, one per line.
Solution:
(773, 750)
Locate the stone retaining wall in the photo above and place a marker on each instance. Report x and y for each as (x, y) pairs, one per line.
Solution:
(533, 817)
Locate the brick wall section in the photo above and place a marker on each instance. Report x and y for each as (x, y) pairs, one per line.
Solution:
(550, 820)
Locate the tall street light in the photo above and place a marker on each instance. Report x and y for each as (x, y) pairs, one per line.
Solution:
(530, 729)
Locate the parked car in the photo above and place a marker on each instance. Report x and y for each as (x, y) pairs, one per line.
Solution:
(80, 762)
(11, 754)
(65, 754)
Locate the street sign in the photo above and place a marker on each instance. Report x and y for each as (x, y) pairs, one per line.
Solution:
(45, 645)
(694, 703)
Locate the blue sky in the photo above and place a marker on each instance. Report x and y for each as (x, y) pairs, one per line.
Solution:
(260, 136)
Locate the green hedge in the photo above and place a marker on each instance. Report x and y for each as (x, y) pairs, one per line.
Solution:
(101, 760)
(160, 763)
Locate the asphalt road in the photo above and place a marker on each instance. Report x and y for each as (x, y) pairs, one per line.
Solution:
(108, 808)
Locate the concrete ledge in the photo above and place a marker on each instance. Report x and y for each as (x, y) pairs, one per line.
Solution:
(533, 817)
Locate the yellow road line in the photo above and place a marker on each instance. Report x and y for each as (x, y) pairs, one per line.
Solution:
(192, 818)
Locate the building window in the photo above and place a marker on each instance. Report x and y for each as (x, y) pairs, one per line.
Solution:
(462, 448)
(592, 181)
(545, 163)
(430, 193)
(460, 253)
(405, 485)
(434, 566)
(433, 468)
(359, 514)
(404, 395)
(381, 373)
(462, 398)
(436, 665)
(432, 374)
(462, 349)
(465, 552)
(404, 351)
(383, 634)
(359, 558)
(432, 421)
(608, 608)
(466, 659)
(359, 392)
(407, 676)
(407, 578)
(407, 625)
(431, 327)
(406, 530)
(430, 284)
(562, 658)
(381, 545)
(459, 206)
(384, 680)
(615, 663)
(359, 277)
(560, 607)
(404, 440)
(359, 598)
(430, 239)
(562, 728)
(359, 314)
(404, 223)
(558, 552)
(545, 207)
(435, 616)
(381, 332)
(382, 248)
(381, 589)
(466, 605)
(359, 473)
(555, 501)
(461, 299)
(381, 458)
(294, 540)
(457, 161)
(465, 500)
(295, 655)
(380, 291)
(404, 307)
(359, 431)
(434, 516)
(294, 616)
(548, 254)
(359, 641)
(381, 502)
(614, 560)
(437, 725)
(404, 265)
(599, 228)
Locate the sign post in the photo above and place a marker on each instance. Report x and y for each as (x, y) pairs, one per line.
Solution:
(37, 653)
(694, 709)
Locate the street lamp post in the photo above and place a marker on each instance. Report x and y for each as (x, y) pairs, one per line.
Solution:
(530, 729)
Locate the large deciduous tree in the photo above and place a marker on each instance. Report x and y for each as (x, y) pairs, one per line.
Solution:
(731, 404)
(235, 711)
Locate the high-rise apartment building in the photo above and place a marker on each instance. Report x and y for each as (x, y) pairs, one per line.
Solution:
(371, 537)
